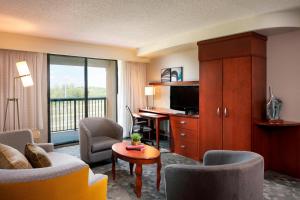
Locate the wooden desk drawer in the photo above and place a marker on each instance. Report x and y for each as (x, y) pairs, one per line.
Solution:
(187, 148)
(184, 122)
(185, 134)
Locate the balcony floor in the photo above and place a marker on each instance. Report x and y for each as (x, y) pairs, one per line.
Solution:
(64, 137)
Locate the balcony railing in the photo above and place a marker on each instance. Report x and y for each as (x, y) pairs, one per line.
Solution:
(65, 113)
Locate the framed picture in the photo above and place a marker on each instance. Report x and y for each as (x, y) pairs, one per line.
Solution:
(177, 74)
(165, 75)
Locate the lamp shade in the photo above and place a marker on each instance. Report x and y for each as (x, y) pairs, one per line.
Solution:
(23, 68)
(149, 91)
(27, 81)
(24, 73)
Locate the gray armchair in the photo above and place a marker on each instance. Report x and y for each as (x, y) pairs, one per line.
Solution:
(237, 175)
(97, 135)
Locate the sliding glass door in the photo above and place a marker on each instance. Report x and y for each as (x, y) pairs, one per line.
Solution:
(78, 88)
(102, 88)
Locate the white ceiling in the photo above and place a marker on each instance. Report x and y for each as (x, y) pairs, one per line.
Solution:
(128, 23)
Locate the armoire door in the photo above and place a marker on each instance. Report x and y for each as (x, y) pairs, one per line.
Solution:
(210, 129)
(237, 103)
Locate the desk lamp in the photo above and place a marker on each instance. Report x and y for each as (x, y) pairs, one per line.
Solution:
(149, 91)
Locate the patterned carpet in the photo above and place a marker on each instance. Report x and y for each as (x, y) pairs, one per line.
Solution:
(276, 186)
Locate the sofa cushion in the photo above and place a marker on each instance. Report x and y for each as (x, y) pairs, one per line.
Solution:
(11, 158)
(58, 159)
(37, 156)
(102, 143)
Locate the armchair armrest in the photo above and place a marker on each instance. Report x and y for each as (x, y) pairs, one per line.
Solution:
(222, 157)
(48, 147)
(84, 130)
(98, 187)
(116, 131)
(94, 178)
(85, 138)
(192, 181)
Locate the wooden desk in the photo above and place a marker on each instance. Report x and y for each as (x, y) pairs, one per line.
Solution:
(183, 130)
(157, 118)
(163, 111)
(167, 111)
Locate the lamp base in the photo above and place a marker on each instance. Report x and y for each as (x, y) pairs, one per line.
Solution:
(15, 108)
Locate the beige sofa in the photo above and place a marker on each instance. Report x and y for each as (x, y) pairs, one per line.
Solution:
(67, 178)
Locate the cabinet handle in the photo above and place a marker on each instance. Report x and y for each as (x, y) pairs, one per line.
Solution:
(218, 111)
(182, 122)
(225, 112)
(182, 134)
(182, 146)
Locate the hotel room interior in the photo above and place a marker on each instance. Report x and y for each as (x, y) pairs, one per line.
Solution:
(149, 99)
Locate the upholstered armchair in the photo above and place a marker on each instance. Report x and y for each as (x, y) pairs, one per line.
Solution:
(68, 178)
(97, 135)
(224, 175)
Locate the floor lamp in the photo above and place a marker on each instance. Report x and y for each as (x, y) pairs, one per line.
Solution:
(25, 76)
(149, 91)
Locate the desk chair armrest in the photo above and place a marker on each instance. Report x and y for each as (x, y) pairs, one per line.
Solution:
(137, 116)
(141, 122)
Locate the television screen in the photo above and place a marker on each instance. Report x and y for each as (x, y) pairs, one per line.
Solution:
(184, 98)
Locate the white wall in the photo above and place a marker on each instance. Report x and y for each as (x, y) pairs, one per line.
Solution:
(283, 72)
(187, 58)
(47, 45)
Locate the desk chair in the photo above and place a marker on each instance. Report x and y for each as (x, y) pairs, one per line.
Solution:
(139, 126)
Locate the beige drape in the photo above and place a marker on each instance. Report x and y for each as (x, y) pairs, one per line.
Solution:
(30, 99)
(111, 91)
(132, 81)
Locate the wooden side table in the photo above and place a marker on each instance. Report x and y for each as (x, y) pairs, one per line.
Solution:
(36, 134)
(149, 155)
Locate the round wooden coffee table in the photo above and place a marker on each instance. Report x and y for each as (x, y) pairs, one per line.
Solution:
(149, 155)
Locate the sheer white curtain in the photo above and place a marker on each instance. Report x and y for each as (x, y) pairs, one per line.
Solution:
(30, 99)
(132, 81)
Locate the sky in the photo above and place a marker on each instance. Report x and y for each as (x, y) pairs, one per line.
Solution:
(67, 74)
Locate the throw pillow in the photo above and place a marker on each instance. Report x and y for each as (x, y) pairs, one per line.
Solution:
(37, 156)
(11, 158)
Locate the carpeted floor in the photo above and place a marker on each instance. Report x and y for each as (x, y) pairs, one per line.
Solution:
(276, 186)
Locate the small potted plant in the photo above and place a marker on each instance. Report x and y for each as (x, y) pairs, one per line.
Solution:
(136, 138)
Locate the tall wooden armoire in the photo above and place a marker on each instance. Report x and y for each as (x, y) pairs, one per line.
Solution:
(232, 91)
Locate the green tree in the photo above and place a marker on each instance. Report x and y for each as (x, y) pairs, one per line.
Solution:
(70, 91)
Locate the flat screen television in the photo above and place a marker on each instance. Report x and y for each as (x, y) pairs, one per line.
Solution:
(185, 98)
